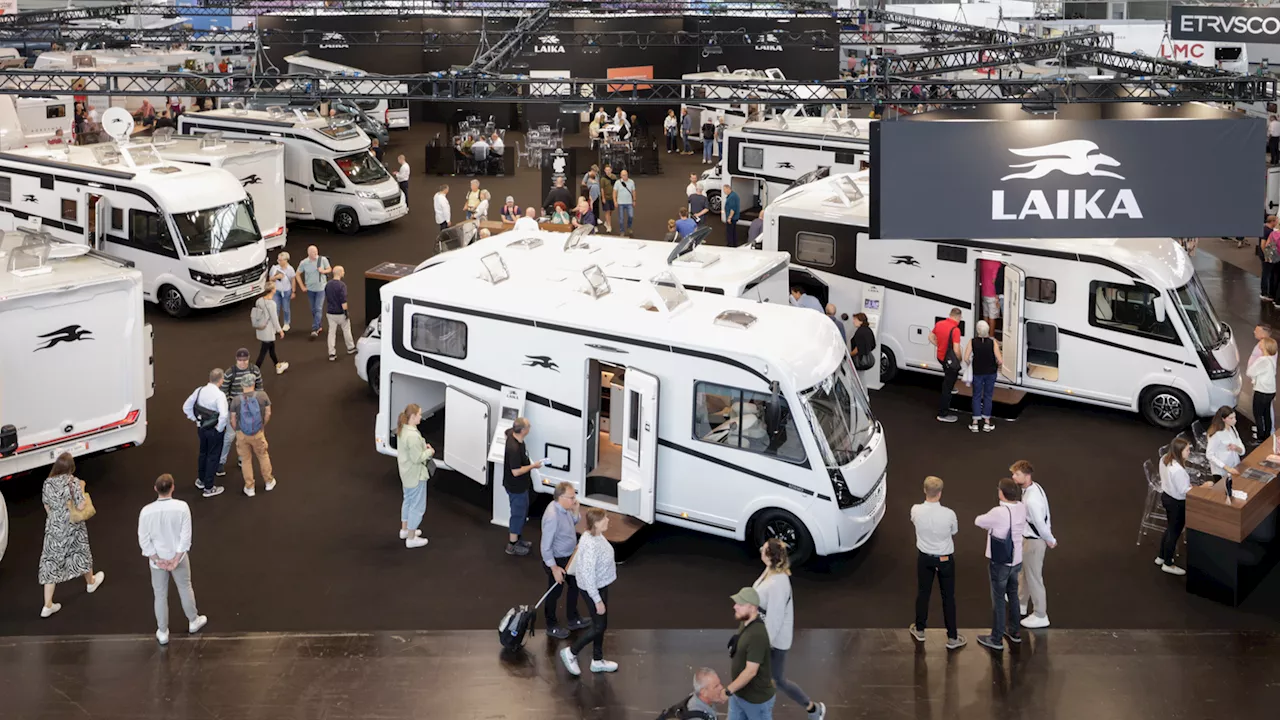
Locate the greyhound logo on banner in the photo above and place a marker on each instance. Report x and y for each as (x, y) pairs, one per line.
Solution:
(333, 41)
(768, 42)
(1077, 158)
(548, 44)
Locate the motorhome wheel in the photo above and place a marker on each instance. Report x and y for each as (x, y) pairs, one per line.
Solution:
(346, 220)
(713, 202)
(375, 375)
(172, 302)
(1167, 408)
(786, 527)
(888, 365)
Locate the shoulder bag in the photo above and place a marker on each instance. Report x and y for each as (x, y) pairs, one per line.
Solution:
(79, 515)
(1002, 548)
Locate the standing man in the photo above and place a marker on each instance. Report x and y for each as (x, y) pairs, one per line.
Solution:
(831, 313)
(402, 176)
(515, 480)
(207, 408)
(946, 338)
(441, 202)
(250, 413)
(335, 306)
(708, 139)
(624, 194)
(607, 196)
(698, 208)
(731, 208)
(720, 128)
(1005, 524)
(692, 187)
(799, 298)
(755, 230)
(936, 525)
(559, 540)
(1035, 540)
(164, 534)
(472, 200)
(1273, 138)
(686, 131)
(685, 226)
(312, 276)
(375, 149)
(751, 693)
(232, 386)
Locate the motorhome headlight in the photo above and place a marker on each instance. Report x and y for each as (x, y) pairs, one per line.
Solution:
(1214, 368)
(367, 194)
(203, 278)
(371, 328)
(846, 499)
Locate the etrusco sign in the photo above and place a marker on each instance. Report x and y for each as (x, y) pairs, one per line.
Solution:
(934, 180)
(1218, 23)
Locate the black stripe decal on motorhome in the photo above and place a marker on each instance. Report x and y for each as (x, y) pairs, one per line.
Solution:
(44, 221)
(196, 126)
(724, 463)
(1040, 252)
(155, 204)
(1118, 346)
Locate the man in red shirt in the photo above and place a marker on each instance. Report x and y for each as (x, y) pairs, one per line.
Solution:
(946, 338)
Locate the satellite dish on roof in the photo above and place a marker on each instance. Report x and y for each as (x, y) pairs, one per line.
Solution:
(118, 123)
(688, 243)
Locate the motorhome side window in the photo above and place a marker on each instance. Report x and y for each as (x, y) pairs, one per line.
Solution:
(325, 174)
(734, 417)
(438, 336)
(55, 111)
(117, 219)
(815, 249)
(1128, 309)
(149, 232)
(6, 189)
(1042, 290)
(753, 157)
(70, 210)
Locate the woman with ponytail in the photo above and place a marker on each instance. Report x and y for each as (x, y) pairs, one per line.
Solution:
(774, 587)
(413, 455)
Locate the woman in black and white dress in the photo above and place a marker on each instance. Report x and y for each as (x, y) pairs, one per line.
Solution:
(66, 554)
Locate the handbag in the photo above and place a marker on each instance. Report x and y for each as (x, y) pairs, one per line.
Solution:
(863, 362)
(79, 515)
(1002, 548)
(966, 375)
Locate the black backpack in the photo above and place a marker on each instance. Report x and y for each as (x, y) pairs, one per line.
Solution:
(518, 623)
(681, 711)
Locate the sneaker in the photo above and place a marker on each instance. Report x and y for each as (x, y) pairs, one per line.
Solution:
(1024, 610)
(599, 666)
(415, 542)
(281, 367)
(47, 611)
(515, 549)
(916, 633)
(1159, 561)
(570, 662)
(988, 426)
(98, 578)
(579, 624)
(404, 534)
(526, 543)
(973, 427)
(222, 472)
(558, 632)
(991, 642)
(819, 711)
(194, 626)
(956, 642)
(1173, 569)
(271, 485)
(199, 485)
(351, 351)
(162, 637)
(285, 327)
(1035, 621)
(250, 492)
(315, 334)
(1015, 638)
(947, 418)
(1263, 297)
(333, 358)
(214, 491)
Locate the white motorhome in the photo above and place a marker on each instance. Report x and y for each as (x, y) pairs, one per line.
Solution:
(393, 112)
(1122, 323)
(189, 229)
(257, 164)
(719, 99)
(132, 62)
(761, 276)
(76, 359)
(763, 159)
(329, 173)
(730, 417)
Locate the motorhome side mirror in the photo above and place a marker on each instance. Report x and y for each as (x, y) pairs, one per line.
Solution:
(1157, 303)
(8, 440)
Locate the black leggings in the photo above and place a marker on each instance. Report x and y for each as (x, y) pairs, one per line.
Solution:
(1176, 512)
(599, 623)
(1262, 414)
(268, 347)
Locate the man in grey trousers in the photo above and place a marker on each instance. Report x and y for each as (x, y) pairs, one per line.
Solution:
(164, 533)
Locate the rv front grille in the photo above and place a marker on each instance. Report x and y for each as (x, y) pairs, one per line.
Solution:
(390, 202)
(233, 280)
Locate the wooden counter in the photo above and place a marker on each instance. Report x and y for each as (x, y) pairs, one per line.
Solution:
(497, 226)
(1209, 512)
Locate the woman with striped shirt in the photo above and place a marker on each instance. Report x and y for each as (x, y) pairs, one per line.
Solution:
(594, 568)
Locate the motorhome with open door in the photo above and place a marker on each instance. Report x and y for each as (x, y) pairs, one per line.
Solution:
(188, 229)
(1122, 323)
(760, 276)
(392, 112)
(716, 414)
(719, 97)
(329, 173)
(76, 363)
(257, 164)
(763, 159)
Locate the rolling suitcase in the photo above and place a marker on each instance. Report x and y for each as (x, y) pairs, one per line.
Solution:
(518, 623)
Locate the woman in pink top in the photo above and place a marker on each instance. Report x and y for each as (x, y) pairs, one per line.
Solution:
(987, 271)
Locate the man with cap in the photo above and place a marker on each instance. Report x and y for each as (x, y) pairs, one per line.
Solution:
(510, 210)
(233, 385)
(751, 692)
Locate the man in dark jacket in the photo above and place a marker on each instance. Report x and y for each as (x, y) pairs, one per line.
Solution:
(559, 193)
(231, 385)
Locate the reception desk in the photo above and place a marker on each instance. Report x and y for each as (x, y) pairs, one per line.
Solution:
(1232, 544)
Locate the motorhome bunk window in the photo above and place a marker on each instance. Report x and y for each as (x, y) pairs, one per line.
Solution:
(1042, 290)
(6, 189)
(951, 253)
(117, 219)
(55, 111)
(1128, 309)
(438, 336)
(734, 417)
(70, 209)
(324, 174)
(815, 249)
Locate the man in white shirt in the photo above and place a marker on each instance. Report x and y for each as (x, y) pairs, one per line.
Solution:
(442, 207)
(692, 187)
(164, 534)
(935, 555)
(402, 176)
(1273, 139)
(496, 148)
(207, 408)
(529, 221)
(1035, 540)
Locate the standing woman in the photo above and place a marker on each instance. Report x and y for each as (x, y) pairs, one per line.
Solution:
(1225, 446)
(774, 587)
(267, 327)
(984, 352)
(66, 553)
(413, 456)
(593, 567)
(670, 126)
(863, 345)
(1262, 372)
(282, 274)
(1174, 484)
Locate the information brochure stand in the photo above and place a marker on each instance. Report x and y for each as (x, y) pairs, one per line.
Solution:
(512, 408)
(872, 306)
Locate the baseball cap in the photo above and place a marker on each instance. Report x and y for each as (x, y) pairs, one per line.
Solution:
(746, 596)
(242, 353)
(510, 199)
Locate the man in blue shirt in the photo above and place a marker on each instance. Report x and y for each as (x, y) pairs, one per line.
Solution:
(799, 298)
(559, 539)
(338, 313)
(685, 224)
(732, 206)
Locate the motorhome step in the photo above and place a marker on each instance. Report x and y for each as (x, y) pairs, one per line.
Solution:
(1006, 403)
(622, 528)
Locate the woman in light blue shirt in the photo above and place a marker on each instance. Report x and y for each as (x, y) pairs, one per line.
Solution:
(282, 275)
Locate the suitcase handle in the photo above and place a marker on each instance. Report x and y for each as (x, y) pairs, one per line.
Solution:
(544, 596)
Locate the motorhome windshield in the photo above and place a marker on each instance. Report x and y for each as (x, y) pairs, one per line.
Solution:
(1198, 313)
(838, 410)
(209, 232)
(361, 168)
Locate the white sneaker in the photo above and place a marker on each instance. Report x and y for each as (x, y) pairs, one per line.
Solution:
(570, 662)
(415, 542)
(98, 578)
(404, 534)
(281, 367)
(162, 637)
(1173, 569)
(285, 327)
(250, 492)
(1159, 561)
(199, 622)
(1025, 610)
(47, 611)
(1035, 621)
(270, 486)
(599, 666)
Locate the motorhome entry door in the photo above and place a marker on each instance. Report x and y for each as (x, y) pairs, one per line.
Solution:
(1014, 344)
(639, 445)
(466, 434)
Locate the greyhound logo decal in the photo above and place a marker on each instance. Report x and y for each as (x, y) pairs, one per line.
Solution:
(786, 165)
(29, 198)
(70, 333)
(905, 260)
(251, 180)
(541, 361)
(1070, 157)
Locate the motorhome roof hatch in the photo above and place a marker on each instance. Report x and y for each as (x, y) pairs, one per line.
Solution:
(686, 252)
(526, 243)
(597, 284)
(209, 140)
(666, 294)
(106, 154)
(493, 269)
(577, 240)
(845, 192)
(735, 319)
